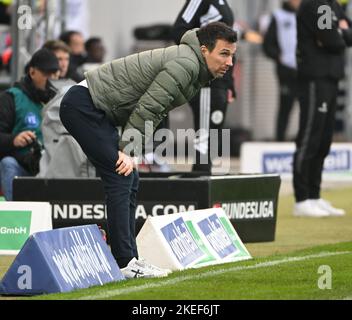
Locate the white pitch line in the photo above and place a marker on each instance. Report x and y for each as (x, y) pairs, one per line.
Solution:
(117, 292)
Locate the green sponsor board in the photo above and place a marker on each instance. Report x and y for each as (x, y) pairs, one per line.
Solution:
(234, 238)
(14, 229)
(2, 199)
(209, 257)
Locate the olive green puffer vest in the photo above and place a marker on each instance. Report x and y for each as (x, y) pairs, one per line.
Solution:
(144, 87)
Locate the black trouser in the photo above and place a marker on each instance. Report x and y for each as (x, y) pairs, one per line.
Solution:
(317, 119)
(209, 110)
(288, 95)
(99, 140)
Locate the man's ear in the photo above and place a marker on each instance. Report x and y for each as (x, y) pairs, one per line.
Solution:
(31, 71)
(204, 49)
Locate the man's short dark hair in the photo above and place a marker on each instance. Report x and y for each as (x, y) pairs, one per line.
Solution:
(209, 34)
(56, 45)
(67, 35)
(91, 42)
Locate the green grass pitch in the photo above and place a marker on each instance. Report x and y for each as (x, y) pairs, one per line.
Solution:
(310, 259)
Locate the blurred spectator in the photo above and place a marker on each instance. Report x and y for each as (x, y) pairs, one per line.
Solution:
(5, 14)
(75, 41)
(5, 36)
(95, 53)
(322, 40)
(344, 4)
(280, 43)
(62, 53)
(341, 122)
(62, 157)
(21, 117)
(6, 54)
(95, 50)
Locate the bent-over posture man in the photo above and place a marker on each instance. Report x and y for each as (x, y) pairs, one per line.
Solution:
(129, 92)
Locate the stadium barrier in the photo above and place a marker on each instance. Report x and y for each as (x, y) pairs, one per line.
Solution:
(249, 201)
(19, 220)
(277, 158)
(60, 261)
(191, 240)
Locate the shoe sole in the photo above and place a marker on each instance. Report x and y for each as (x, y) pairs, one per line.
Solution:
(145, 277)
(310, 216)
(337, 215)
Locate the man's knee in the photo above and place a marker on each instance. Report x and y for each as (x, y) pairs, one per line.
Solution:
(9, 166)
(9, 162)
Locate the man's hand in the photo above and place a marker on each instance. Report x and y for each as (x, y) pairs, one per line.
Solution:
(252, 36)
(24, 139)
(124, 166)
(343, 24)
(230, 97)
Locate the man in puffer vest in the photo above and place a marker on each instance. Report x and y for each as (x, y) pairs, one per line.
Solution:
(21, 117)
(136, 93)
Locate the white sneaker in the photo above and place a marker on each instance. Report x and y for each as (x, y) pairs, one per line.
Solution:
(325, 205)
(137, 269)
(309, 208)
(147, 265)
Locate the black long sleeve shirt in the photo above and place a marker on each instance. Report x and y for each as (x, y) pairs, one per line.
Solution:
(321, 47)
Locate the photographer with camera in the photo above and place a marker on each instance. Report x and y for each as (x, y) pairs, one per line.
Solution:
(21, 118)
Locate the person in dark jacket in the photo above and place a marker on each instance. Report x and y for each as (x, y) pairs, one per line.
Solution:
(280, 43)
(5, 14)
(210, 105)
(135, 93)
(323, 33)
(95, 50)
(20, 120)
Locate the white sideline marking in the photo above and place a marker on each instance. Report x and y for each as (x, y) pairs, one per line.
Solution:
(117, 292)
